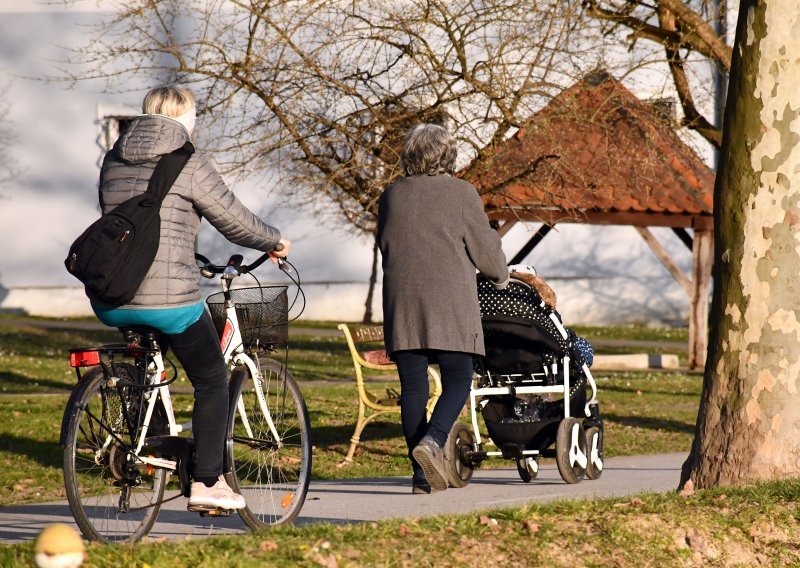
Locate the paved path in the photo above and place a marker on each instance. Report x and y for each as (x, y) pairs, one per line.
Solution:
(360, 500)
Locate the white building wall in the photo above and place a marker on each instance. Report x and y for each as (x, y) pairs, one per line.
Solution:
(601, 274)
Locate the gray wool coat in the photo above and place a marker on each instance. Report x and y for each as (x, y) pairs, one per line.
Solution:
(174, 279)
(433, 234)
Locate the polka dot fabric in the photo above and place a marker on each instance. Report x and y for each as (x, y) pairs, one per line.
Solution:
(521, 301)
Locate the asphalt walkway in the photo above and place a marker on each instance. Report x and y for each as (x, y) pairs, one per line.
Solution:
(365, 500)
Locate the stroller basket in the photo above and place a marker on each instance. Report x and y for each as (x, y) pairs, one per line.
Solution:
(512, 421)
(262, 312)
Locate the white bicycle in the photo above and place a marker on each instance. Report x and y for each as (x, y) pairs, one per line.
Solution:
(122, 442)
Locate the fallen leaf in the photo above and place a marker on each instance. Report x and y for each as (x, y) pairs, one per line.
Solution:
(326, 561)
(695, 541)
(268, 546)
(688, 489)
(532, 527)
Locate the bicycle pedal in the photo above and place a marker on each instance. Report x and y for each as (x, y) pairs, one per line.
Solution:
(215, 513)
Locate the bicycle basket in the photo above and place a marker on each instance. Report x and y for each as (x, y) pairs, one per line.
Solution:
(263, 315)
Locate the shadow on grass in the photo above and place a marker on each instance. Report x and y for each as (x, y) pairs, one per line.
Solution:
(47, 453)
(11, 383)
(326, 436)
(51, 342)
(648, 391)
(325, 344)
(650, 423)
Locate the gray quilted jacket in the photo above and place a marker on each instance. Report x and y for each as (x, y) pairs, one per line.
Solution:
(174, 279)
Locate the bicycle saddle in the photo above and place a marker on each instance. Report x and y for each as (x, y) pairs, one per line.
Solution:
(142, 336)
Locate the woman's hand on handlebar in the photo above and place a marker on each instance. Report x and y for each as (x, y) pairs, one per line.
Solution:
(280, 251)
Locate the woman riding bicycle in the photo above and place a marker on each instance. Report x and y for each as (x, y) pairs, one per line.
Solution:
(169, 297)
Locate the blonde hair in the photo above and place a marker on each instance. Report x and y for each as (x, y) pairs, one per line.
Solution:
(170, 100)
(429, 150)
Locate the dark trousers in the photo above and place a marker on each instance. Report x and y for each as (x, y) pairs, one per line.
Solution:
(412, 366)
(198, 350)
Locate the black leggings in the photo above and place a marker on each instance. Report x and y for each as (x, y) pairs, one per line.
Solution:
(412, 366)
(198, 350)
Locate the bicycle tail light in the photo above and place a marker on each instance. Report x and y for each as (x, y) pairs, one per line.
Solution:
(84, 358)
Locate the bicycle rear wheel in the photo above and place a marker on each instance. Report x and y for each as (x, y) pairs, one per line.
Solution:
(272, 473)
(112, 497)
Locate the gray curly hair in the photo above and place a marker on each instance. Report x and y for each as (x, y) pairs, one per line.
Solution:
(429, 150)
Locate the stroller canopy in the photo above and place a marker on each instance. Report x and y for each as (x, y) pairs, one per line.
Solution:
(518, 328)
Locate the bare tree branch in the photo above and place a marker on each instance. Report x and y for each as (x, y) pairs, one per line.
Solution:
(676, 27)
(323, 91)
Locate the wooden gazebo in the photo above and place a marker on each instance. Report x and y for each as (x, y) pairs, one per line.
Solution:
(597, 154)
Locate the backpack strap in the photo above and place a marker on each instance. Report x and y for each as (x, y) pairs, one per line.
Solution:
(167, 171)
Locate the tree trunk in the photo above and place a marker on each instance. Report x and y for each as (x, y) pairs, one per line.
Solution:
(373, 279)
(748, 423)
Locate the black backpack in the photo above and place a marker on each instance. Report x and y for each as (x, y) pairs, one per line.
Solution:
(113, 255)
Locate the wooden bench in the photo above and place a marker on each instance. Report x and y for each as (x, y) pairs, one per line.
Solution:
(367, 351)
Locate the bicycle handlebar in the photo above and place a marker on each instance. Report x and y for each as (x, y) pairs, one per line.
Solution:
(236, 268)
(209, 270)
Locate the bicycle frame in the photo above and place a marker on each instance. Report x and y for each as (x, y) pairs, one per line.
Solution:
(233, 352)
(234, 355)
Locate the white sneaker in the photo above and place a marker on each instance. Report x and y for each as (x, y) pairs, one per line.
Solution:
(218, 496)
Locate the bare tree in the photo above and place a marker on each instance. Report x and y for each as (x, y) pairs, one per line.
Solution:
(8, 165)
(687, 31)
(747, 426)
(323, 91)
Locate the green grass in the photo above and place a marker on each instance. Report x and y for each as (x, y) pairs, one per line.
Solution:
(660, 419)
(643, 412)
(747, 526)
(634, 333)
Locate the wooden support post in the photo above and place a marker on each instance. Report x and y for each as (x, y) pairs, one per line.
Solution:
(665, 259)
(702, 260)
(531, 244)
(685, 238)
(505, 227)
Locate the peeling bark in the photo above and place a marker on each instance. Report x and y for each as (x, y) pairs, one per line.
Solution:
(748, 427)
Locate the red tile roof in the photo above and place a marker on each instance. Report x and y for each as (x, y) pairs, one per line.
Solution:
(595, 148)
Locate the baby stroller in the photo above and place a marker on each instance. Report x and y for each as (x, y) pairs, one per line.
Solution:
(530, 388)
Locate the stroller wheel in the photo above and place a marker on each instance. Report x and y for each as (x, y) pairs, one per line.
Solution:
(528, 468)
(571, 457)
(594, 449)
(459, 469)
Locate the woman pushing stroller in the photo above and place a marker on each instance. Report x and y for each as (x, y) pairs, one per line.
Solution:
(433, 235)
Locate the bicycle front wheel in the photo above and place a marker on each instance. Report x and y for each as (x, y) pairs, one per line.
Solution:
(269, 446)
(113, 496)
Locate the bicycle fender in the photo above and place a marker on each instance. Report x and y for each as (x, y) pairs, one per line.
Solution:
(238, 375)
(71, 409)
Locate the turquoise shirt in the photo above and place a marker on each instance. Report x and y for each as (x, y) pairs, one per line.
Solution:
(170, 321)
